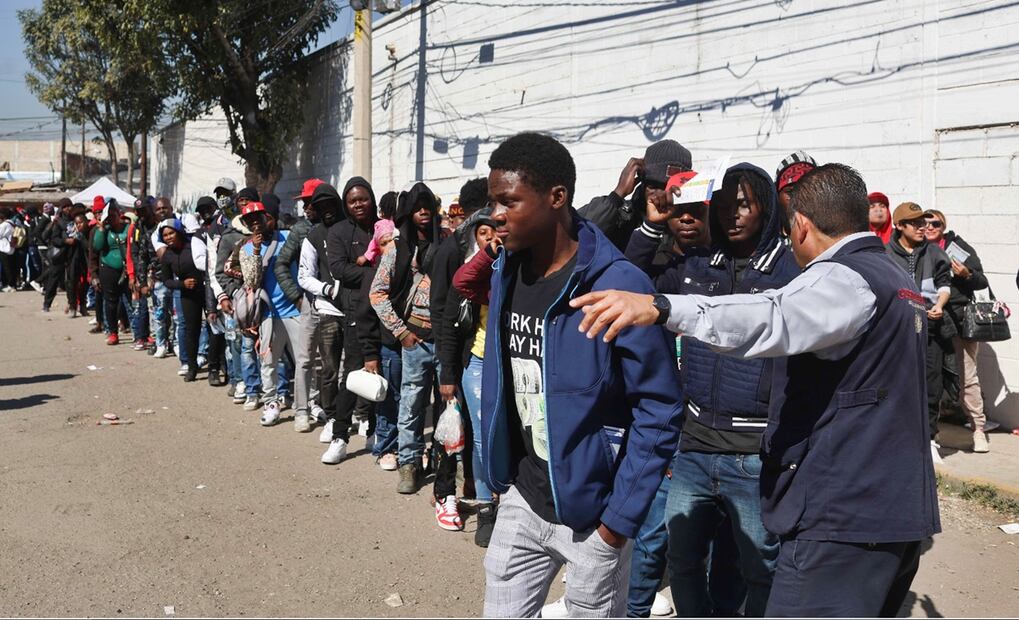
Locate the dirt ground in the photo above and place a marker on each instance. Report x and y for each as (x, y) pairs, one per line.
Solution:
(197, 507)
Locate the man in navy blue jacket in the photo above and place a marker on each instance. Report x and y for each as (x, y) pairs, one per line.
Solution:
(716, 470)
(847, 480)
(577, 433)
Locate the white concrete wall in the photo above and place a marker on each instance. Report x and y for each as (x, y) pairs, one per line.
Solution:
(883, 85)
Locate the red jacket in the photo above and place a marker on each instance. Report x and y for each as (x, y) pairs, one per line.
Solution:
(473, 279)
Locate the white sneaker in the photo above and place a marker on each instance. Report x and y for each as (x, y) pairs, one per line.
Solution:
(201, 361)
(555, 609)
(251, 403)
(93, 321)
(935, 455)
(661, 606)
(980, 445)
(183, 370)
(160, 351)
(388, 462)
(318, 414)
(270, 413)
(239, 393)
(326, 435)
(36, 286)
(7, 289)
(335, 452)
(301, 423)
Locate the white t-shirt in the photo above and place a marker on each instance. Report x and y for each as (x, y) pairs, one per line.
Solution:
(6, 237)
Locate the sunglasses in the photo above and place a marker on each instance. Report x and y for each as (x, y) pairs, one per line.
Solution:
(935, 224)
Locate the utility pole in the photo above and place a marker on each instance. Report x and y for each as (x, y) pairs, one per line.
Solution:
(81, 172)
(145, 165)
(63, 148)
(363, 93)
(422, 76)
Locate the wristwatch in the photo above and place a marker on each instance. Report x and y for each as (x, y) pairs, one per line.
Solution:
(661, 303)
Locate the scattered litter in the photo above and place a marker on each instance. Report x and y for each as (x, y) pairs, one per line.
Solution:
(113, 422)
(166, 408)
(1009, 528)
(144, 411)
(94, 367)
(111, 416)
(201, 486)
(169, 610)
(394, 600)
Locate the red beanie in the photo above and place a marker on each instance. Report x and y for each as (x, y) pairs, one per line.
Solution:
(98, 204)
(877, 197)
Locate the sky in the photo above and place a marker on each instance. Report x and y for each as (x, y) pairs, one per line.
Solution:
(21, 114)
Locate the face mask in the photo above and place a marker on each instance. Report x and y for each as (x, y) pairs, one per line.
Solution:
(226, 205)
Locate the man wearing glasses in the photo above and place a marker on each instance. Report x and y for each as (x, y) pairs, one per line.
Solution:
(931, 268)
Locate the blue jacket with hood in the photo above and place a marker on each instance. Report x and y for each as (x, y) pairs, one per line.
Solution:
(727, 393)
(612, 410)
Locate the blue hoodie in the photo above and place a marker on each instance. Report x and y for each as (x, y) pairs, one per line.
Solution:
(613, 410)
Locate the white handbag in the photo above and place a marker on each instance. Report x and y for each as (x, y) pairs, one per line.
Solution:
(368, 386)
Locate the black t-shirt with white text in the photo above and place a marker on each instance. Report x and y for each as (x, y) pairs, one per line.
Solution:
(528, 300)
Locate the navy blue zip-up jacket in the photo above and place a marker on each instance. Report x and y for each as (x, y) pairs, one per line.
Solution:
(729, 393)
(612, 411)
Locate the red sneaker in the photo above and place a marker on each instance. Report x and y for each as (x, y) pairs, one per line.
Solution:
(447, 515)
(113, 339)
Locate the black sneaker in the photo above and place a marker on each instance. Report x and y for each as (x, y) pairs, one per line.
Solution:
(486, 523)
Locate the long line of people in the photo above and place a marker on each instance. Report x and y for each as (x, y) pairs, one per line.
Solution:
(282, 317)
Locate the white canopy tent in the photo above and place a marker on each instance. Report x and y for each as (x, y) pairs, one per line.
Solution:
(107, 189)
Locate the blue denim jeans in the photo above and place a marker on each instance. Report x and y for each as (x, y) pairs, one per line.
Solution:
(388, 411)
(233, 349)
(178, 320)
(140, 318)
(250, 368)
(471, 384)
(420, 370)
(649, 555)
(705, 489)
(160, 322)
(203, 340)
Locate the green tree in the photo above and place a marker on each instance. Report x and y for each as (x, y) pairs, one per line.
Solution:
(94, 60)
(245, 57)
(68, 65)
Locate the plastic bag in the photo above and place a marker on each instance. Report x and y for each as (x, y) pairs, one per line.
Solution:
(450, 429)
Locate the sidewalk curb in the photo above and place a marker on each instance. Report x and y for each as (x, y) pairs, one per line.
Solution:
(995, 495)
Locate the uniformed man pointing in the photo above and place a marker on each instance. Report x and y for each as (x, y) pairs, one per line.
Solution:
(848, 482)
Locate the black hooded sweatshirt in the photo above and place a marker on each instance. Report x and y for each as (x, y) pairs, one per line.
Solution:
(319, 233)
(346, 242)
(408, 245)
(451, 344)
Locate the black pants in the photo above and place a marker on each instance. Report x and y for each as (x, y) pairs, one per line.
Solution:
(192, 304)
(51, 280)
(935, 382)
(216, 355)
(331, 341)
(831, 579)
(353, 359)
(9, 266)
(114, 291)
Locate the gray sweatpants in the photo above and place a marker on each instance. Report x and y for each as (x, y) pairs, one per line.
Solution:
(305, 355)
(276, 336)
(525, 554)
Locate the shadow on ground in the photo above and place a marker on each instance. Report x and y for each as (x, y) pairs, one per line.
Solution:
(9, 381)
(26, 402)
